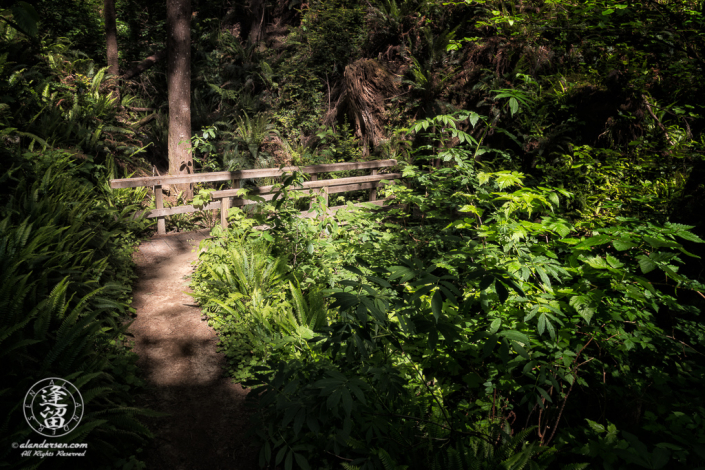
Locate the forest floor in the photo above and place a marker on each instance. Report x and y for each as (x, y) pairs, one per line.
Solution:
(177, 353)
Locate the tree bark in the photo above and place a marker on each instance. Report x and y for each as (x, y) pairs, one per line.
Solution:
(257, 9)
(179, 87)
(111, 36)
(144, 65)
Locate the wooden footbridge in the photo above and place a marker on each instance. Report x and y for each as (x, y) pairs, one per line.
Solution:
(224, 199)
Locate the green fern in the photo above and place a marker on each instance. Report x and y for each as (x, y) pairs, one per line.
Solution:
(63, 282)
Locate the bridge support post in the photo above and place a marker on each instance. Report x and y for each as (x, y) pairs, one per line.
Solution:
(224, 209)
(314, 177)
(161, 221)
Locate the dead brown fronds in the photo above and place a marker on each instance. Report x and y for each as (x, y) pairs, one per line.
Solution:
(361, 96)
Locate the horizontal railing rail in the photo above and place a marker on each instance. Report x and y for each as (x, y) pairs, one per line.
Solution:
(227, 198)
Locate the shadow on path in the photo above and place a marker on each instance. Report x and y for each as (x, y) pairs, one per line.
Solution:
(184, 373)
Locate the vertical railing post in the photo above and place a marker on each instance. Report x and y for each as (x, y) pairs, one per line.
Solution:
(161, 221)
(314, 177)
(224, 209)
(373, 191)
(225, 205)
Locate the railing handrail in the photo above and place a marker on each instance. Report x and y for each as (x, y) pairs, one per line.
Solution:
(246, 174)
(222, 198)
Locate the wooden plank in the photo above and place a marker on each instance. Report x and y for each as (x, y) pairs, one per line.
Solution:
(246, 174)
(180, 210)
(338, 182)
(314, 184)
(356, 187)
(332, 167)
(158, 196)
(239, 202)
(334, 209)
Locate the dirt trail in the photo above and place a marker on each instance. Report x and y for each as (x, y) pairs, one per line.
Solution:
(184, 373)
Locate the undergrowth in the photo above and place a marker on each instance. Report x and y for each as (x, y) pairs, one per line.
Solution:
(512, 334)
(65, 296)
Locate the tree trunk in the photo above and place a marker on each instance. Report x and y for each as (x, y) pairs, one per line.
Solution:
(179, 84)
(257, 9)
(111, 36)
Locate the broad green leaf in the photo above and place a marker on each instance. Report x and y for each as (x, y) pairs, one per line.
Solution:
(347, 402)
(553, 197)
(449, 295)
(513, 105)
(302, 462)
(516, 336)
(299, 421)
(544, 394)
(472, 209)
(506, 179)
(344, 300)
(288, 462)
(691, 237)
(26, 18)
(280, 455)
(437, 305)
(379, 281)
(486, 281)
(646, 264)
(334, 398)
(542, 323)
(423, 291)
(593, 241)
(432, 340)
(623, 244)
(551, 329)
(520, 349)
(502, 291)
(659, 243)
(583, 305)
(347, 267)
(494, 326)
(614, 262)
(596, 262)
(489, 345)
(544, 277)
(401, 272)
(472, 380)
(312, 423)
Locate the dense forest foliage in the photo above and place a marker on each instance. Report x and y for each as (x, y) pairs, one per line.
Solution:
(532, 300)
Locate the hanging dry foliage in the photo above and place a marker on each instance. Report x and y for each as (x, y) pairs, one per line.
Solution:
(365, 86)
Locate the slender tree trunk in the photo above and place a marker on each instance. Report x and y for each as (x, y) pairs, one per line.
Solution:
(179, 84)
(111, 36)
(257, 9)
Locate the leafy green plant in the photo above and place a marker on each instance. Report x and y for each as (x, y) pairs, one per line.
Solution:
(65, 298)
(503, 314)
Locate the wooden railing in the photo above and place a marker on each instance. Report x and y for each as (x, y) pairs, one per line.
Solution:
(227, 198)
